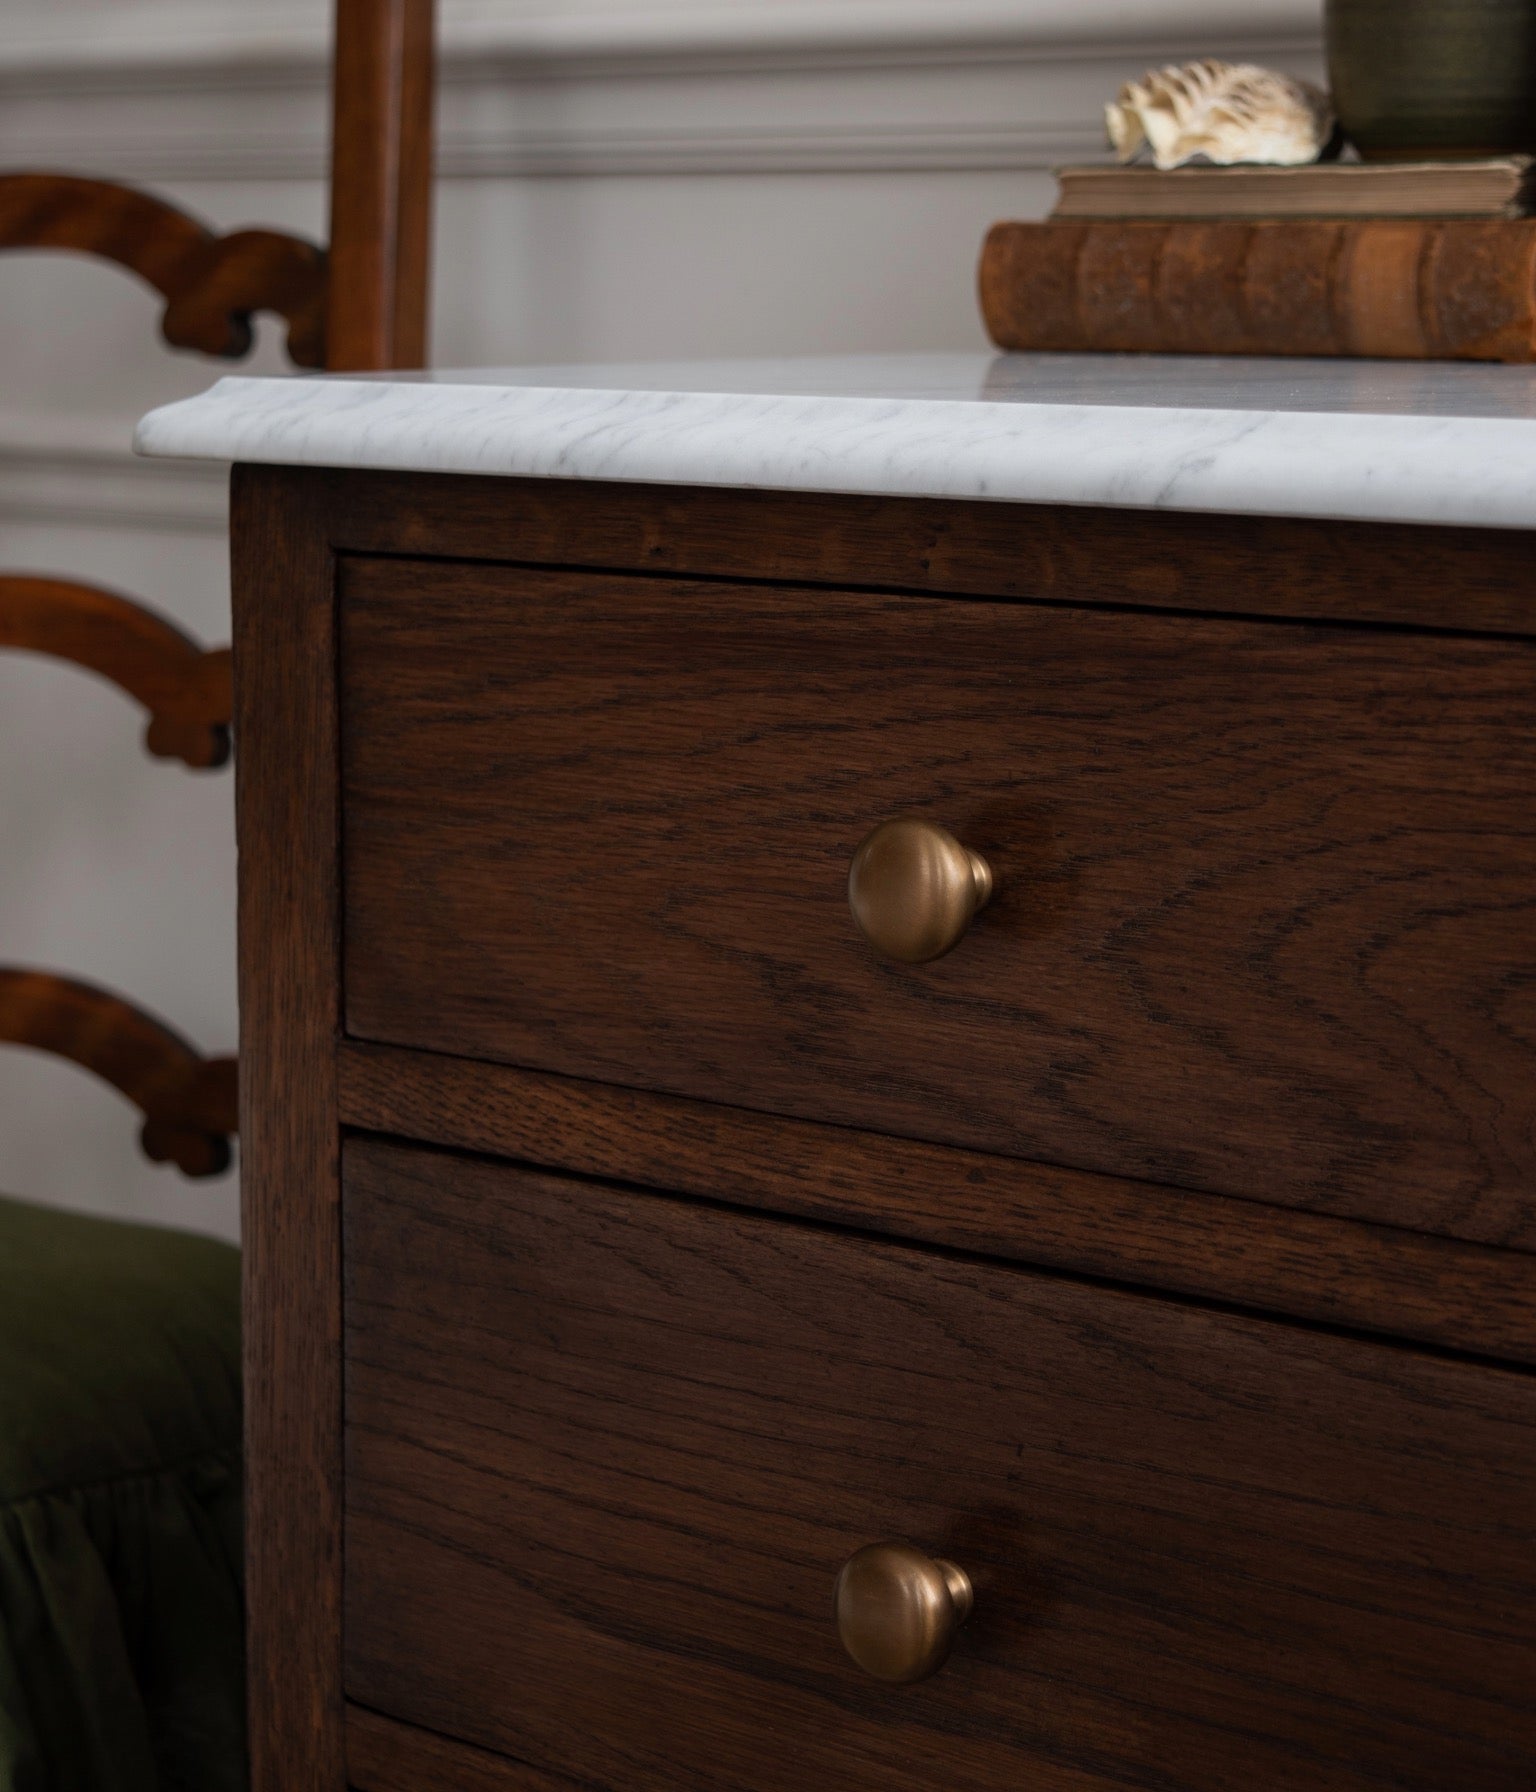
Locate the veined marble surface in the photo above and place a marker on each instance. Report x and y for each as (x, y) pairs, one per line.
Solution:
(1371, 440)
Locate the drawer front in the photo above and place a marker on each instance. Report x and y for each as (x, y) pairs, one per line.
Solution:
(1265, 910)
(606, 1453)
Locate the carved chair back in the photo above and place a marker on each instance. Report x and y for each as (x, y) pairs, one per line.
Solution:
(358, 304)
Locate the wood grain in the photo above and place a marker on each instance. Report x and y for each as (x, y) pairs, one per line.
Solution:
(1432, 577)
(1264, 922)
(385, 1756)
(212, 285)
(290, 1196)
(381, 184)
(606, 1453)
(185, 688)
(188, 1102)
(1311, 1266)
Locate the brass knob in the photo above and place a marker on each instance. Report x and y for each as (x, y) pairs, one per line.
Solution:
(914, 889)
(898, 1610)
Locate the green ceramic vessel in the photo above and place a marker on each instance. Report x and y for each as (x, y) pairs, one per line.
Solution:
(1434, 78)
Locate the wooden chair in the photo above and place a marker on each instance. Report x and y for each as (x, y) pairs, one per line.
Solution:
(121, 1655)
(359, 305)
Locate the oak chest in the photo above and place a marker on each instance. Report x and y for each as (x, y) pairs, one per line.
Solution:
(890, 1141)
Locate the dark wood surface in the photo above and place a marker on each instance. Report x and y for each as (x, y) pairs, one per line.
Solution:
(606, 1452)
(185, 687)
(286, 782)
(1302, 1540)
(1339, 1272)
(188, 1102)
(385, 1756)
(1266, 910)
(381, 184)
(212, 285)
(1452, 578)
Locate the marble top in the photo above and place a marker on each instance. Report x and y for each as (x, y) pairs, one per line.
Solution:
(1370, 440)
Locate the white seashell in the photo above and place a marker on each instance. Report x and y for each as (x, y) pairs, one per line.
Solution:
(1227, 112)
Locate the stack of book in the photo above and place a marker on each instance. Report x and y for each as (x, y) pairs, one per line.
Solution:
(1431, 260)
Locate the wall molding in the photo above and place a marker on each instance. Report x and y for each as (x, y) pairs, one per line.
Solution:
(82, 471)
(202, 37)
(526, 149)
(172, 94)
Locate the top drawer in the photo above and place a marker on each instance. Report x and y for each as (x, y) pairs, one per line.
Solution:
(1264, 910)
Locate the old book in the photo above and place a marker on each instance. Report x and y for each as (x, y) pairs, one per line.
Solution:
(1455, 289)
(1501, 188)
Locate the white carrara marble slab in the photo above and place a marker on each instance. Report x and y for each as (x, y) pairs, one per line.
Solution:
(1370, 440)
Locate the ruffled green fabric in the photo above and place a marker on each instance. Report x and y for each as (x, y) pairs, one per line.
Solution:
(121, 1665)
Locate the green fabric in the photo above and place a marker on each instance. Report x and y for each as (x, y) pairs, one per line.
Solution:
(121, 1663)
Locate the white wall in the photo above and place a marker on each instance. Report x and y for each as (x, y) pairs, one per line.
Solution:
(620, 179)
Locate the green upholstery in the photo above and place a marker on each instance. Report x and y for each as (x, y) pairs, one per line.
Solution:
(120, 1606)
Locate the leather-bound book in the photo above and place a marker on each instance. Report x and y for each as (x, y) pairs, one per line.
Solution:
(1428, 289)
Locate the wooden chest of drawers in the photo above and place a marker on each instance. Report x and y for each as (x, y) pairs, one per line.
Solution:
(630, 1244)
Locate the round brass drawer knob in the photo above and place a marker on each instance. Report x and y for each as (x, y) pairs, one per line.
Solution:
(914, 889)
(898, 1611)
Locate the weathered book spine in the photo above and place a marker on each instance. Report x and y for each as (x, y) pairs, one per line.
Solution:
(1409, 289)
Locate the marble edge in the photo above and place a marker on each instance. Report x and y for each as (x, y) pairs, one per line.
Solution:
(1350, 466)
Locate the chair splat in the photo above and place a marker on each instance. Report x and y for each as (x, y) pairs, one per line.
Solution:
(212, 285)
(185, 688)
(189, 1102)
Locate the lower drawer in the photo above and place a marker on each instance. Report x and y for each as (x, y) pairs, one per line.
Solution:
(606, 1453)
